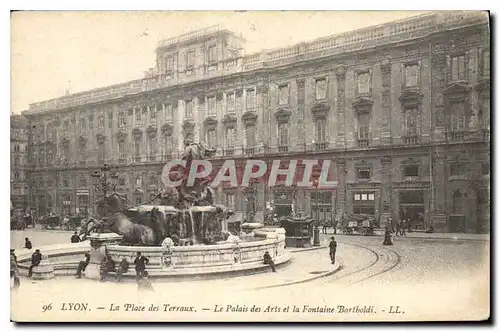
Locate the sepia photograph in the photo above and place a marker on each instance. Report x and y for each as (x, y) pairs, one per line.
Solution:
(250, 166)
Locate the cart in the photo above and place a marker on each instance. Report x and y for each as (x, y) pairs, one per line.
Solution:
(358, 224)
(51, 222)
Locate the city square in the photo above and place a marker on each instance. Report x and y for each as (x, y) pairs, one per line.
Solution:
(344, 178)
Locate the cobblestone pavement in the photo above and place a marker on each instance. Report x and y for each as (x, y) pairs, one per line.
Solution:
(424, 276)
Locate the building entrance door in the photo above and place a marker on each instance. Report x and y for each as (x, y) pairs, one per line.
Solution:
(456, 224)
(414, 214)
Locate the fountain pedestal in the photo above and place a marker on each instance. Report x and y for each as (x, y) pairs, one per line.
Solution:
(98, 242)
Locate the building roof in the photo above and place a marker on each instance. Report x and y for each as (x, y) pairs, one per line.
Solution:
(18, 121)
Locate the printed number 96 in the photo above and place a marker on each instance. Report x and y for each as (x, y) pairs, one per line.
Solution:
(47, 307)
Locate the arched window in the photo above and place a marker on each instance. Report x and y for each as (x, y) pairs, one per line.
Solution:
(16, 175)
(458, 203)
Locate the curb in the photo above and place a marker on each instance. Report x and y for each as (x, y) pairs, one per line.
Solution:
(309, 249)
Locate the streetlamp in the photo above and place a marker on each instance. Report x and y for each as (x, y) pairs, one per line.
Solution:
(316, 242)
(105, 181)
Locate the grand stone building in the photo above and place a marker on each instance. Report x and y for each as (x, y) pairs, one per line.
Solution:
(401, 110)
(18, 164)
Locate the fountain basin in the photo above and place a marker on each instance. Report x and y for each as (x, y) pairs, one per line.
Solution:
(189, 262)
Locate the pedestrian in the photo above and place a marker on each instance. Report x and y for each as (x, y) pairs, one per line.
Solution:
(14, 269)
(36, 258)
(75, 238)
(269, 261)
(404, 225)
(333, 249)
(82, 265)
(387, 238)
(27, 243)
(398, 227)
(143, 283)
(122, 268)
(325, 226)
(140, 265)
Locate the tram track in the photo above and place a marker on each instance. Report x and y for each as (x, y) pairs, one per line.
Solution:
(386, 259)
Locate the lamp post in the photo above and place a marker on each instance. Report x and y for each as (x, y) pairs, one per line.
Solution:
(105, 181)
(316, 241)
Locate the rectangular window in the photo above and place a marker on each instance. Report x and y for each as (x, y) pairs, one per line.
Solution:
(457, 169)
(321, 88)
(230, 102)
(282, 134)
(100, 123)
(239, 100)
(486, 63)
(485, 168)
(190, 58)
(283, 94)
(169, 64)
(188, 113)
(458, 118)
(364, 82)
(152, 112)
(121, 120)
(411, 123)
(250, 99)
(230, 137)
(121, 149)
(138, 114)
(411, 170)
(169, 145)
(411, 76)
(363, 126)
(83, 126)
(230, 201)
(363, 173)
(152, 147)
(212, 54)
(211, 105)
(167, 108)
(121, 181)
(137, 150)
(211, 138)
(320, 130)
(250, 136)
(101, 153)
(458, 71)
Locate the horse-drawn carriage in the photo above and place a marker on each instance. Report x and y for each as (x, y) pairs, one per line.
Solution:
(358, 224)
(72, 223)
(51, 222)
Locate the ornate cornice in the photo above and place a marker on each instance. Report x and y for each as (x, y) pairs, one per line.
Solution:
(188, 125)
(210, 122)
(167, 129)
(283, 115)
(249, 118)
(229, 120)
(121, 136)
(458, 88)
(100, 138)
(320, 110)
(137, 132)
(411, 98)
(152, 130)
(361, 104)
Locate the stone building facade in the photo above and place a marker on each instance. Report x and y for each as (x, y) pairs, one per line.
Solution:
(18, 164)
(401, 110)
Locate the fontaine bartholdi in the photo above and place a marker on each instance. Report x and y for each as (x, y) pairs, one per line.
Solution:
(186, 235)
(186, 212)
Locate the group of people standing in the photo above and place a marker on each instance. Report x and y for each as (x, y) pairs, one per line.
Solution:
(107, 265)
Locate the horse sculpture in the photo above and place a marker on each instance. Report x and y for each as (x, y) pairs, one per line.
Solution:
(118, 222)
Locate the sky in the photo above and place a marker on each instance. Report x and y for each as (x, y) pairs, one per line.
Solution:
(55, 51)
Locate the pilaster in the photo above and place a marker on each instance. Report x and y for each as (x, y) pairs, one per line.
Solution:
(385, 125)
(340, 73)
(341, 190)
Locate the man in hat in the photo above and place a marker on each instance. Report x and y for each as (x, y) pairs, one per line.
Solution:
(333, 249)
(75, 238)
(27, 243)
(269, 261)
(36, 258)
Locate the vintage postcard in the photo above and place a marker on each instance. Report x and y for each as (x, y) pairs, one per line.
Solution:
(250, 166)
